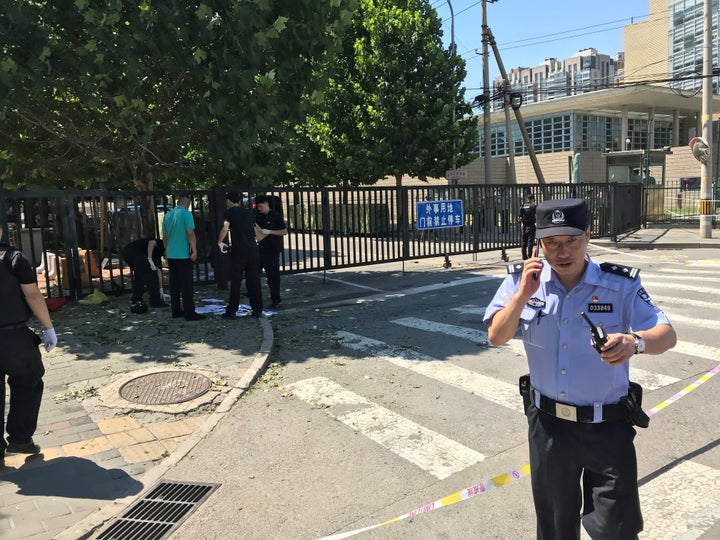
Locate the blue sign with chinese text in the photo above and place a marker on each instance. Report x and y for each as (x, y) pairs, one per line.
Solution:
(439, 214)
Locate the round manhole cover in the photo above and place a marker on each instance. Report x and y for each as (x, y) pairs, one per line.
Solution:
(165, 387)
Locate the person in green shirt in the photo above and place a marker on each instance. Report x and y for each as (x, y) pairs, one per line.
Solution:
(178, 230)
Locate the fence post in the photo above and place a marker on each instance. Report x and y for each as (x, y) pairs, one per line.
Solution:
(327, 252)
(221, 261)
(404, 220)
(71, 247)
(3, 214)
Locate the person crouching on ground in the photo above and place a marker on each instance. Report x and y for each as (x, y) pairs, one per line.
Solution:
(144, 257)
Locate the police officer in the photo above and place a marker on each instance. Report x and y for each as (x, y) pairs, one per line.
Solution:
(273, 227)
(20, 359)
(244, 255)
(527, 218)
(579, 402)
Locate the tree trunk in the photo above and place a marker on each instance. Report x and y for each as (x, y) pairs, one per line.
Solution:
(143, 181)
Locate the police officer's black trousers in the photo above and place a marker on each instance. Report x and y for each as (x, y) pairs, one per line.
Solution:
(528, 240)
(180, 273)
(251, 269)
(270, 262)
(21, 362)
(143, 276)
(601, 456)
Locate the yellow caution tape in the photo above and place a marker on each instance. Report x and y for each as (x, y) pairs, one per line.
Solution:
(503, 479)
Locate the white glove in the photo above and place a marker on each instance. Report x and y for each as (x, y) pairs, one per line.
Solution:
(165, 297)
(49, 339)
(265, 231)
(224, 248)
(152, 264)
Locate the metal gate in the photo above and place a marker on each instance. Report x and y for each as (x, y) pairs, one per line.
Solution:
(74, 238)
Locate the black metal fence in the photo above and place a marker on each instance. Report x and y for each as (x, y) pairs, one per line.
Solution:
(678, 201)
(74, 238)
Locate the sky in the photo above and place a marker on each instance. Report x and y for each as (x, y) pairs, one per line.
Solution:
(529, 31)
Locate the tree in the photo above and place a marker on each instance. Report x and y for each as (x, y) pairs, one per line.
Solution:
(158, 89)
(388, 109)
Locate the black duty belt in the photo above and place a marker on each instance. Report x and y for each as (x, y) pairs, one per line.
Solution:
(14, 326)
(573, 413)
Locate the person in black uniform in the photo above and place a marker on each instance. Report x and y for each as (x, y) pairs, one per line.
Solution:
(144, 257)
(273, 227)
(20, 359)
(527, 218)
(244, 255)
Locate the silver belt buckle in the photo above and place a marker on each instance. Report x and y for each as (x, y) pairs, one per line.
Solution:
(566, 412)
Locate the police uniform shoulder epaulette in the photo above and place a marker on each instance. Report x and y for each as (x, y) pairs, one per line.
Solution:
(515, 268)
(620, 270)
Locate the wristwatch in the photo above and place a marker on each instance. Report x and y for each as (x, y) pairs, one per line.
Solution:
(639, 343)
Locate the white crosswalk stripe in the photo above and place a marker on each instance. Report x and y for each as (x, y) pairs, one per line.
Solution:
(684, 271)
(649, 284)
(430, 451)
(470, 334)
(676, 302)
(499, 392)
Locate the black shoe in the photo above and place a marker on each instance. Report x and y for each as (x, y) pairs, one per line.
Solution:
(177, 314)
(23, 448)
(229, 316)
(256, 314)
(138, 307)
(195, 317)
(275, 303)
(160, 305)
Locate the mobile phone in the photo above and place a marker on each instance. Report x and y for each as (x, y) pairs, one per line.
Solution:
(536, 254)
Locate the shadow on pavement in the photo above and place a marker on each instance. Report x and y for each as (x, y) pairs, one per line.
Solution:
(71, 477)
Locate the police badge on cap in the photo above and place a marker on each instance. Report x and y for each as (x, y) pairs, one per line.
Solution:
(561, 217)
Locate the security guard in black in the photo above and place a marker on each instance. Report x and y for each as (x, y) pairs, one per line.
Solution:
(527, 218)
(20, 358)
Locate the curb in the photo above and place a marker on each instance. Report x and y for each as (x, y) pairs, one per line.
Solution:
(91, 524)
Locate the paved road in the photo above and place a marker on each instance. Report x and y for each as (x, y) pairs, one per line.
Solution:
(390, 399)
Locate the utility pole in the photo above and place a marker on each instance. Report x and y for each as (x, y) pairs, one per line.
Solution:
(518, 115)
(509, 140)
(706, 198)
(486, 93)
(452, 53)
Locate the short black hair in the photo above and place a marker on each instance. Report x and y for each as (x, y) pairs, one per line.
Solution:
(233, 196)
(262, 199)
(530, 196)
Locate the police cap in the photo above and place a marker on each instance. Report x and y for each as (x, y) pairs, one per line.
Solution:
(561, 217)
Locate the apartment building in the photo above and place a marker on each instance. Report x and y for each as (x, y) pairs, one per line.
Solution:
(584, 72)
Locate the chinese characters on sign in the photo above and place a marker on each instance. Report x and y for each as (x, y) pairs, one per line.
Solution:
(439, 214)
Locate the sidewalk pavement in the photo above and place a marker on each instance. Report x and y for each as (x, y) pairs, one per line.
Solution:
(101, 451)
(662, 237)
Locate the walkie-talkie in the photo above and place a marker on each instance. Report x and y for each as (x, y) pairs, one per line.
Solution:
(599, 337)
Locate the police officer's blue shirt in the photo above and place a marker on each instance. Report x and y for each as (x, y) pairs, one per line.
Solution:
(563, 364)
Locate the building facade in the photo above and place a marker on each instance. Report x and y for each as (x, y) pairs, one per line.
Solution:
(644, 99)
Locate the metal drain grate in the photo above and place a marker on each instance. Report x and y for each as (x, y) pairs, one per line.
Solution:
(159, 512)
